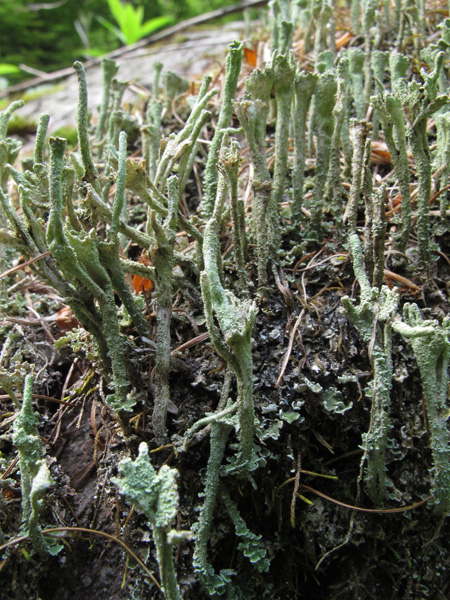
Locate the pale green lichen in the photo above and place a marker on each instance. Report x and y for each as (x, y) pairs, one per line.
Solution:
(162, 256)
(431, 345)
(41, 132)
(90, 169)
(232, 70)
(373, 317)
(9, 147)
(252, 112)
(419, 103)
(333, 189)
(34, 472)
(356, 67)
(304, 86)
(215, 583)
(78, 257)
(230, 159)
(389, 111)
(283, 87)
(155, 494)
(360, 131)
(233, 342)
(109, 70)
(323, 124)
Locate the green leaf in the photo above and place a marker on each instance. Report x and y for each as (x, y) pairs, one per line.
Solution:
(117, 10)
(154, 24)
(92, 52)
(110, 27)
(130, 21)
(7, 69)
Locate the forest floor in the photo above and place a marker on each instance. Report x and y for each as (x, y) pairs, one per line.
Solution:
(324, 537)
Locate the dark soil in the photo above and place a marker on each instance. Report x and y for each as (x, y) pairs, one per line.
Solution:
(394, 556)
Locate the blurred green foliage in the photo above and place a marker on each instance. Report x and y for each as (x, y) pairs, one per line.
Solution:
(51, 34)
(132, 26)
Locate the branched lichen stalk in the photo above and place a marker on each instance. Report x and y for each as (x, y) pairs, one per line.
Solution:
(139, 183)
(368, 20)
(110, 250)
(155, 494)
(188, 158)
(232, 70)
(60, 248)
(398, 67)
(334, 190)
(322, 26)
(119, 197)
(5, 116)
(218, 439)
(355, 7)
(431, 346)
(283, 83)
(389, 110)
(9, 147)
(304, 86)
(220, 431)
(236, 318)
(34, 473)
(177, 145)
(252, 115)
(373, 317)
(356, 64)
(379, 61)
(95, 277)
(443, 158)
(378, 236)
(421, 153)
(285, 15)
(230, 158)
(151, 136)
(78, 258)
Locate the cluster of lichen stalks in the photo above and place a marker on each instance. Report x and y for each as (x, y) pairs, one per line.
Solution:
(66, 215)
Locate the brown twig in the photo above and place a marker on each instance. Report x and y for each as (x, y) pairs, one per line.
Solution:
(23, 265)
(368, 510)
(41, 397)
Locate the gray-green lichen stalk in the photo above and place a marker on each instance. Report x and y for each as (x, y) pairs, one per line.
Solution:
(431, 345)
(233, 342)
(373, 317)
(34, 472)
(162, 255)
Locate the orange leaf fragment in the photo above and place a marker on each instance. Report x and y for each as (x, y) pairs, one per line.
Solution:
(380, 154)
(344, 40)
(65, 319)
(141, 284)
(251, 57)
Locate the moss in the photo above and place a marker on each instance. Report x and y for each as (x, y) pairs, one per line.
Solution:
(69, 133)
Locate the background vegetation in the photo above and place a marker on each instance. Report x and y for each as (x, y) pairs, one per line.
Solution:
(48, 39)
